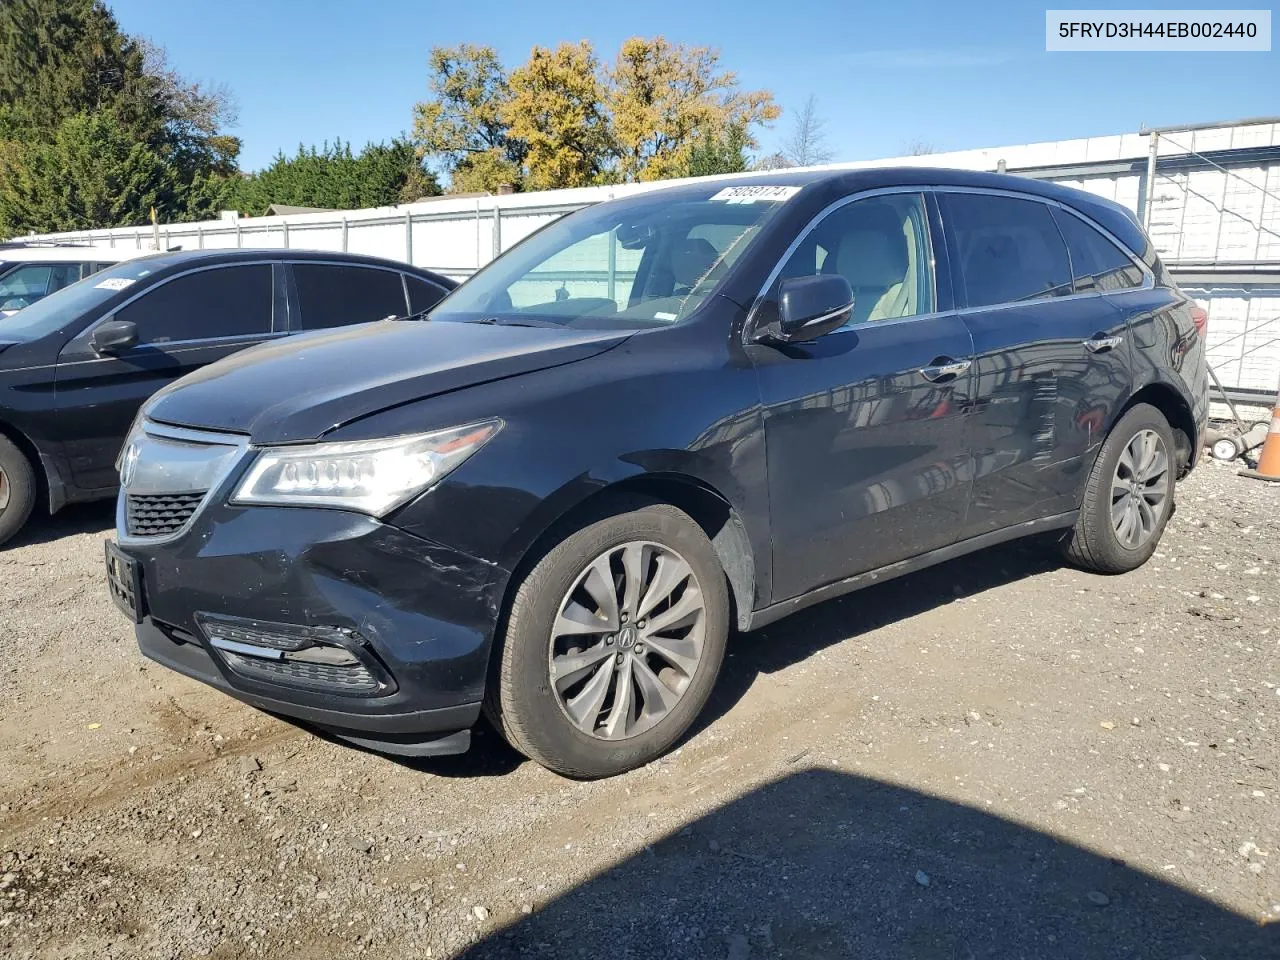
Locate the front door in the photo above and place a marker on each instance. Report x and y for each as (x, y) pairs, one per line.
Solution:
(1050, 355)
(183, 323)
(868, 457)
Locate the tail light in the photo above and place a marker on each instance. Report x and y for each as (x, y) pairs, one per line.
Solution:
(1200, 318)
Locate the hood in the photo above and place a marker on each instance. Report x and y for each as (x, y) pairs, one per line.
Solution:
(301, 387)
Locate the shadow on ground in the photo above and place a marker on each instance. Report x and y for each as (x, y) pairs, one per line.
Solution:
(824, 864)
(77, 518)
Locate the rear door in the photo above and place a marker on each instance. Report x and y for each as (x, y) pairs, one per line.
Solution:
(867, 451)
(1049, 352)
(184, 322)
(337, 295)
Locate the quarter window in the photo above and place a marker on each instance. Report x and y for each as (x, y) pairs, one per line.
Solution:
(1096, 262)
(335, 296)
(422, 295)
(880, 245)
(1009, 250)
(221, 302)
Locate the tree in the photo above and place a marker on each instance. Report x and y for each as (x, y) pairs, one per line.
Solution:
(774, 161)
(90, 173)
(807, 144)
(718, 152)
(62, 61)
(665, 96)
(917, 147)
(556, 109)
(335, 178)
(466, 116)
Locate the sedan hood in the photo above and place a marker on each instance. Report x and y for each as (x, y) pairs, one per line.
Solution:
(301, 387)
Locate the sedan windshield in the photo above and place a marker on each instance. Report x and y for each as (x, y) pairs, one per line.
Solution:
(649, 261)
(52, 312)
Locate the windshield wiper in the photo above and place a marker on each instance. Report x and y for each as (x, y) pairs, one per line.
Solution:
(420, 315)
(507, 322)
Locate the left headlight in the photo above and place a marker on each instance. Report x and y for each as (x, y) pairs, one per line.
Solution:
(371, 476)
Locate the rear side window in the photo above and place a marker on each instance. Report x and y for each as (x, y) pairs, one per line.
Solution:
(422, 295)
(1009, 250)
(221, 302)
(1096, 262)
(334, 296)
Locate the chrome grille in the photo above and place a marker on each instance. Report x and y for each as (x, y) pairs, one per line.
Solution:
(158, 515)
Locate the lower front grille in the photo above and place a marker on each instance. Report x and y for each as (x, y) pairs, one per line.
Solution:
(352, 679)
(158, 515)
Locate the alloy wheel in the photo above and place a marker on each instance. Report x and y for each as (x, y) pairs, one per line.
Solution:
(627, 640)
(1140, 489)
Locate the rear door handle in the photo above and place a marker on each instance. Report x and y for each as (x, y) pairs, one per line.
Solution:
(944, 368)
(1102, 344)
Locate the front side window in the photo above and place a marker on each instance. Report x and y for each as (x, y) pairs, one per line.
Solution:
(422, 295)
(1009, 250)
(881, 246)
(334, 295)
(1097, 264)
(647, 261)
(221, 302)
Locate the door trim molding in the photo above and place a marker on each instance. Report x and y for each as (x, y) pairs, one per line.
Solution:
(776, 611)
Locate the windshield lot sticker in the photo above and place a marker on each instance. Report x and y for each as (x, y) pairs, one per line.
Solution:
(756, 194)
(114, 283)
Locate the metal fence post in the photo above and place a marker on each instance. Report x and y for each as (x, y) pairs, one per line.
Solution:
(285, 225)
(408, 236)
(344, 233)
(1151, 180)
(497, 229)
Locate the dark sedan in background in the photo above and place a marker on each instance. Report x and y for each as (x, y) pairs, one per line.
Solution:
(76, 365)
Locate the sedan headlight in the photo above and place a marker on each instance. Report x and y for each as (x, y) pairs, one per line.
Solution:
(371, 476)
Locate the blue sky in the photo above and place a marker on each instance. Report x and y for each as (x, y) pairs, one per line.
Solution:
(953, 75)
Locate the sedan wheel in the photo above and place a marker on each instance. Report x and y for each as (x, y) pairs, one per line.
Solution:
(627, 640)
(1140, 489)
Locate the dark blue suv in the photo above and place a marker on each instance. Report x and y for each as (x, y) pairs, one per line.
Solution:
(659, 419)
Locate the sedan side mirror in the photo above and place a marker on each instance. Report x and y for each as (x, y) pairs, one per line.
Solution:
(114, 336)
(810, 307)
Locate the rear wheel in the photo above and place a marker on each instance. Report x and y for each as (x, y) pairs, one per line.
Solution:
(1129, 496)
(613, 644)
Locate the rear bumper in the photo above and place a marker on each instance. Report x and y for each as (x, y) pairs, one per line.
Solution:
(421, 616)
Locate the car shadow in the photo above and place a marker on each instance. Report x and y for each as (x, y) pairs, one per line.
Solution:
(96, 517)
(825, 864)
(800, 636)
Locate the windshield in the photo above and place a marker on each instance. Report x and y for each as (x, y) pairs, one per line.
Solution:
(52, 312)
(649, 261)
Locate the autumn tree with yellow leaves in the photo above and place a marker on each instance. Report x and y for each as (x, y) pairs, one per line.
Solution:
(564, 119)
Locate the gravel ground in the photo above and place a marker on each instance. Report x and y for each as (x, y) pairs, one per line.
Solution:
(999, 757)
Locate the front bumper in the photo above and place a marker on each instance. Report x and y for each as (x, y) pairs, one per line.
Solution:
(422, 615)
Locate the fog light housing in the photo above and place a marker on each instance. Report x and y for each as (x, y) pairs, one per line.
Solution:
(321, 659)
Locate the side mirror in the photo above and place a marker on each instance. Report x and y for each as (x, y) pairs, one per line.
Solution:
(810, 307)
(114, 336)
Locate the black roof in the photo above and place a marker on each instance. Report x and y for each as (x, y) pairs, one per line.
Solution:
(185, 258)
(871, 178)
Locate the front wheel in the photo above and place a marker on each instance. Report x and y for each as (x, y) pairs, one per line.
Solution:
(17, 489)
(1129, 495)
(613, 643)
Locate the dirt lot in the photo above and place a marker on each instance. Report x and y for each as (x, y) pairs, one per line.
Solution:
(1000, 757)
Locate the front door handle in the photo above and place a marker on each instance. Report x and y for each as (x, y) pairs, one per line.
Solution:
(944, 368)
(1102, 344)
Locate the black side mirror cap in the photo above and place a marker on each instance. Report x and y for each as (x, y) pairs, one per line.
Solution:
(114, 336)
(810, 307)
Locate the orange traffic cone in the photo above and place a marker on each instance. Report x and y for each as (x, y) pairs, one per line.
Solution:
(1269, 459)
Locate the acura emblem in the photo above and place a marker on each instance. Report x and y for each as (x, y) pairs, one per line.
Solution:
(128, 465)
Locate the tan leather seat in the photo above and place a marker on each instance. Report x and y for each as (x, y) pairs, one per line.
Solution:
(873, 258)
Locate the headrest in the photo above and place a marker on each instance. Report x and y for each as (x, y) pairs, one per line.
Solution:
(874, 253)
(693, 260)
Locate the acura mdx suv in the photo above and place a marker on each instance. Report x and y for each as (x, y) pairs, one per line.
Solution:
(76, 365)
(653, 422)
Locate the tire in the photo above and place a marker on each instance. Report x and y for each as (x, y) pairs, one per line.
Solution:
(1097, 543)
(17, 489)
(533, 713)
